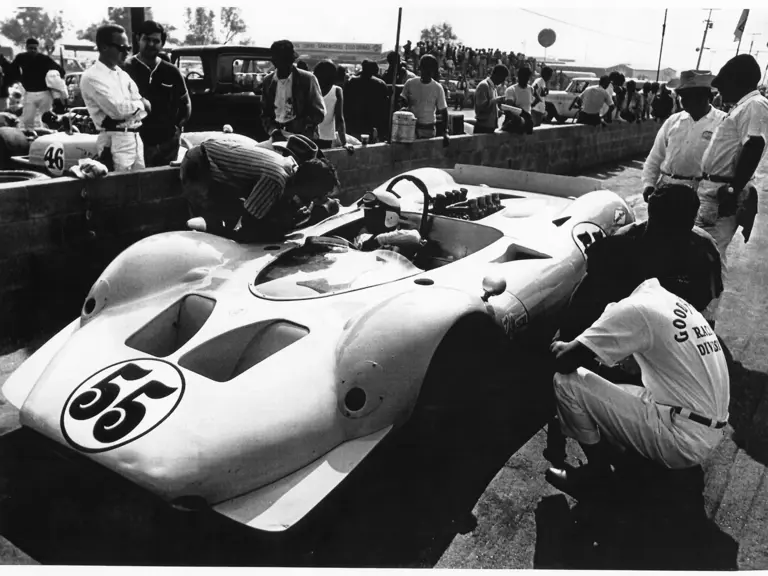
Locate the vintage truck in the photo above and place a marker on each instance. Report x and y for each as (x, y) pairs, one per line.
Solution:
(224, 84)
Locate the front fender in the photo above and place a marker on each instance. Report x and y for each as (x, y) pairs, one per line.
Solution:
(383, 354)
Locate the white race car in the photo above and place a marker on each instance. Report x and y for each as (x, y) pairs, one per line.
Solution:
(255, 378)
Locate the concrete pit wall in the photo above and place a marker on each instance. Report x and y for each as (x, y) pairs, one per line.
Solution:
(57, 235)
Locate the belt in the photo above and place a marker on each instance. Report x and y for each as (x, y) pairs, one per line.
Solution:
(678, 177)
(717, 179)
(122, 130)
(685, 413)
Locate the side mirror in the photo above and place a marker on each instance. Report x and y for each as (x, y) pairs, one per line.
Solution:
(493, 285)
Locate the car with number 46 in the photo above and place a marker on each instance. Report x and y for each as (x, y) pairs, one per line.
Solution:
(252, 379)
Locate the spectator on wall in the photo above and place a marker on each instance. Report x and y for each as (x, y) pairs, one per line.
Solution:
(403, 74)
(522, 96)
(540, 91)
(632, 106)
(366, 103)
(425, 97)
(333, 98)
(487, 100)
(592, 102)
(291, 102)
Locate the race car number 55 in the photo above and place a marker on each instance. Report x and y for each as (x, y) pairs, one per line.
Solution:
(121, 403)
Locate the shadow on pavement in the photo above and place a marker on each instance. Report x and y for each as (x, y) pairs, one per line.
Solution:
(649, 519)
(611, 170)
(749, 410)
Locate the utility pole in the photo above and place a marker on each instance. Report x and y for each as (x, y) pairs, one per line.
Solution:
(704, 39)
(753, 41)
(663, 31)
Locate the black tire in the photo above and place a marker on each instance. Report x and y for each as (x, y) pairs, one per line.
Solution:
(13, 142)
(462, 375)
(12, 176)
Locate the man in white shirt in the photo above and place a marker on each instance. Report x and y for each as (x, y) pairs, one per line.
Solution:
(487, 101)
(541, 90)
(114, 102)
(676, 418)
(680, 143)
(423, 96)
(596, 103)
(729, 163)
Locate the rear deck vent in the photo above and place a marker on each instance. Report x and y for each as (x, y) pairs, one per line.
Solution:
(561, 221)
(173, 327)
(232, 353)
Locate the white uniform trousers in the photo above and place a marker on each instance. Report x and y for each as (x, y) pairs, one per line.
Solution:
(127, 150)
(722, 229)
(35, 105)
(591, 407)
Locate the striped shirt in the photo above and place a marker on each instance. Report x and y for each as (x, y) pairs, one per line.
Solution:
(252, 172)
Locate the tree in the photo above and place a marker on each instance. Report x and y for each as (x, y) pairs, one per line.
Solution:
(232, 23)
(200, 26)
(439, 33)
(33, 23)
(119, 16)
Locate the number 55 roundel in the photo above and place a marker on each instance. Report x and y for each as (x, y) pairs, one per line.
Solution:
(121, 403)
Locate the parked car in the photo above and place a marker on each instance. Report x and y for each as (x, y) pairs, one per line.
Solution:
(253, 379)
(224, 84)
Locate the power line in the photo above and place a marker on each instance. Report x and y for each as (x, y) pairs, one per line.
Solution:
(588, 29)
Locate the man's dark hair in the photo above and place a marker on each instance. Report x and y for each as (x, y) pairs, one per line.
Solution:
(301, 65)
(318, 172)
(524, 74)
(500, 70)
(104, 34)
(631, 86)
(283, 48)
(151, 27)
(605, 81)
(393, 58)
(429, 63)
(370, 68)
(32, 42)
(673, 208)
(547, 70)
(655, 87)
(647, 86)
(616, 258)
(326, 72)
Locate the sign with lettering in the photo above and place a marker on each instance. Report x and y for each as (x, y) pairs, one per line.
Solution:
(335, 47)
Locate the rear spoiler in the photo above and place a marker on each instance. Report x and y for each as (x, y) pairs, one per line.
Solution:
(536, 182)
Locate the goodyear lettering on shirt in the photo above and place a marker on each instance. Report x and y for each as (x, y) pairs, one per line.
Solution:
(709, 346)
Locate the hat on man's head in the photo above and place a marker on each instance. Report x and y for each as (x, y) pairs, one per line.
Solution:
(32, 42)
(690, 79)
(299, 147)
(743, 69)
(283, 48)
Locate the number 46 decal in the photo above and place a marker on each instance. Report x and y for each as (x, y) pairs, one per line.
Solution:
(121, 403)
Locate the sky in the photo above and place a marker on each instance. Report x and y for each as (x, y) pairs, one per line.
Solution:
(592, 33)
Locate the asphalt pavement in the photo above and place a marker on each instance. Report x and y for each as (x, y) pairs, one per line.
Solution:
(475, 499)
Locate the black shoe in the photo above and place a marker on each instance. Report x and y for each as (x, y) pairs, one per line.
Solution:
(578, 481)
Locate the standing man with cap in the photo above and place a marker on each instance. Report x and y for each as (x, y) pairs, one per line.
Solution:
(162, 84)
(227, 179)
(114, 102)
(730, 161)
(291, 101)
(31, 67)
(680, 143)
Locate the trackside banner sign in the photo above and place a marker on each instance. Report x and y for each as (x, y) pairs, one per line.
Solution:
(336, 47)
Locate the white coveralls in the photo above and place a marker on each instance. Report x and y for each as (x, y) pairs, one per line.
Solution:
(749, 118)
(35, 105)
(682, 365)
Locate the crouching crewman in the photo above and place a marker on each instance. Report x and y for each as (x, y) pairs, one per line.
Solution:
(381, 213)
(227, 181)
(676, 418)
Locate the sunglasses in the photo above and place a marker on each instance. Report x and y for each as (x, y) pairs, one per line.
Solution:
(120, 47)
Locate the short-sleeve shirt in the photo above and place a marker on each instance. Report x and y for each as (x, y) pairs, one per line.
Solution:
(424, 99)
(540, 85)
(594, 98)
(749, 118)
(165, 88)
(520, 96)
(679, 355)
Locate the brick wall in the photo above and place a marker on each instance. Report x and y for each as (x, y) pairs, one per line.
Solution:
(57, 235)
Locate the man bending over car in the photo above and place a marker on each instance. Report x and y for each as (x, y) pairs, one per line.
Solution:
(228, 181)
